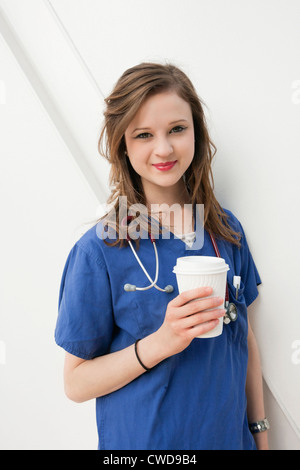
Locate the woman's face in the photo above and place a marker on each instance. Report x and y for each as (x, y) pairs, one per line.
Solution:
(160, 141)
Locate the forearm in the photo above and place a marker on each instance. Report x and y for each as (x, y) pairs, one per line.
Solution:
(184, 320)
(254, 390)
(87, 379)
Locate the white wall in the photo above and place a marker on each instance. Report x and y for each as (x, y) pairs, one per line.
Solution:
(57, 60)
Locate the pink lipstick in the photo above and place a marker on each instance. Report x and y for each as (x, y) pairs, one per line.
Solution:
(164, 166)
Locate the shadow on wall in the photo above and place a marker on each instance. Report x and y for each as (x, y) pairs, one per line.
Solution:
(280, 435)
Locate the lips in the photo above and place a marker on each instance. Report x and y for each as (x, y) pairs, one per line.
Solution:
(165, 166)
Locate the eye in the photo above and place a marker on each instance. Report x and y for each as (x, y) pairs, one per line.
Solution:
(177, 129)
(144, 135)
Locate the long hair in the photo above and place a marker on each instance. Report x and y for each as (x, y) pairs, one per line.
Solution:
(132, 89)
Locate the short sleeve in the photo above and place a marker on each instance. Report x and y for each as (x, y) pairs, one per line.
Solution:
(249, 273)
(85, 320)
(244, 262)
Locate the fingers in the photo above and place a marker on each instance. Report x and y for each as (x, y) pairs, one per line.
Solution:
(201, 329)
(192, 294)
(196, 303)
(193, 313)
(200, 305)
(202, 318)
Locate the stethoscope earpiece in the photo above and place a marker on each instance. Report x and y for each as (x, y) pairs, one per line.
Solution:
(169, 289)
(129, 287)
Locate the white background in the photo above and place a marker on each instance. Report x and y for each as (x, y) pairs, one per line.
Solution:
(57, 61)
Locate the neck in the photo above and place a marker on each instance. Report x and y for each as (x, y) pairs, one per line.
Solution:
(177, 194)
(167, 204)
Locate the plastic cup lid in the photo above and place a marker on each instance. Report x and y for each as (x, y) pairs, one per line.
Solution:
(200, 265)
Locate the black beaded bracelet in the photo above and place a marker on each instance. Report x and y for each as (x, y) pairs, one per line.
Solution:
(137, 356)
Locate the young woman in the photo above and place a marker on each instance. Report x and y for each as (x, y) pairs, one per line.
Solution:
(157, 385)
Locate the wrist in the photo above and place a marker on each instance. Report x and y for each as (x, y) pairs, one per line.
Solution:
(259, 426)
(261, 440)
(150, 351)
(259, 431)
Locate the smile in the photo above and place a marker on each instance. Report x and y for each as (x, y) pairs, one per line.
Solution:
(165, 166)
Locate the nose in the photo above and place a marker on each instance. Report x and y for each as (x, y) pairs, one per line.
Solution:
(163, 147)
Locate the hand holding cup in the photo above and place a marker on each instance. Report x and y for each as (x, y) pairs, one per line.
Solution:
(189, 315)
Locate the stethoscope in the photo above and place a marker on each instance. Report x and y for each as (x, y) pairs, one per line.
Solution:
(130, 287)
(231, 309)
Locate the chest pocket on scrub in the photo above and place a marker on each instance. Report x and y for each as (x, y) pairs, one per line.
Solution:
(239, 328)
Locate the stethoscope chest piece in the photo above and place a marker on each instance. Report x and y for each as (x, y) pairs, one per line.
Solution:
(231, 313)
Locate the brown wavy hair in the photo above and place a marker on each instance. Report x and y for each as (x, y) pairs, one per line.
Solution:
(131, 90)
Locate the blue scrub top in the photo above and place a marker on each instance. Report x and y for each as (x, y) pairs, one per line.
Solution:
(192, 400)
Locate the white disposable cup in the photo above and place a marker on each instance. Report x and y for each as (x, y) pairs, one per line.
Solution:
(203, 271)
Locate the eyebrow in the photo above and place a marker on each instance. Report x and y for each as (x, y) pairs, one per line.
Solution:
(148, 128)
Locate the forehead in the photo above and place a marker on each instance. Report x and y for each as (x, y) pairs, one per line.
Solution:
(162, 107)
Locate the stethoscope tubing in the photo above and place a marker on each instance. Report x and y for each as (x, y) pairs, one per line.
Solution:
(231, 310)
(130, 287)
(153, 283)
